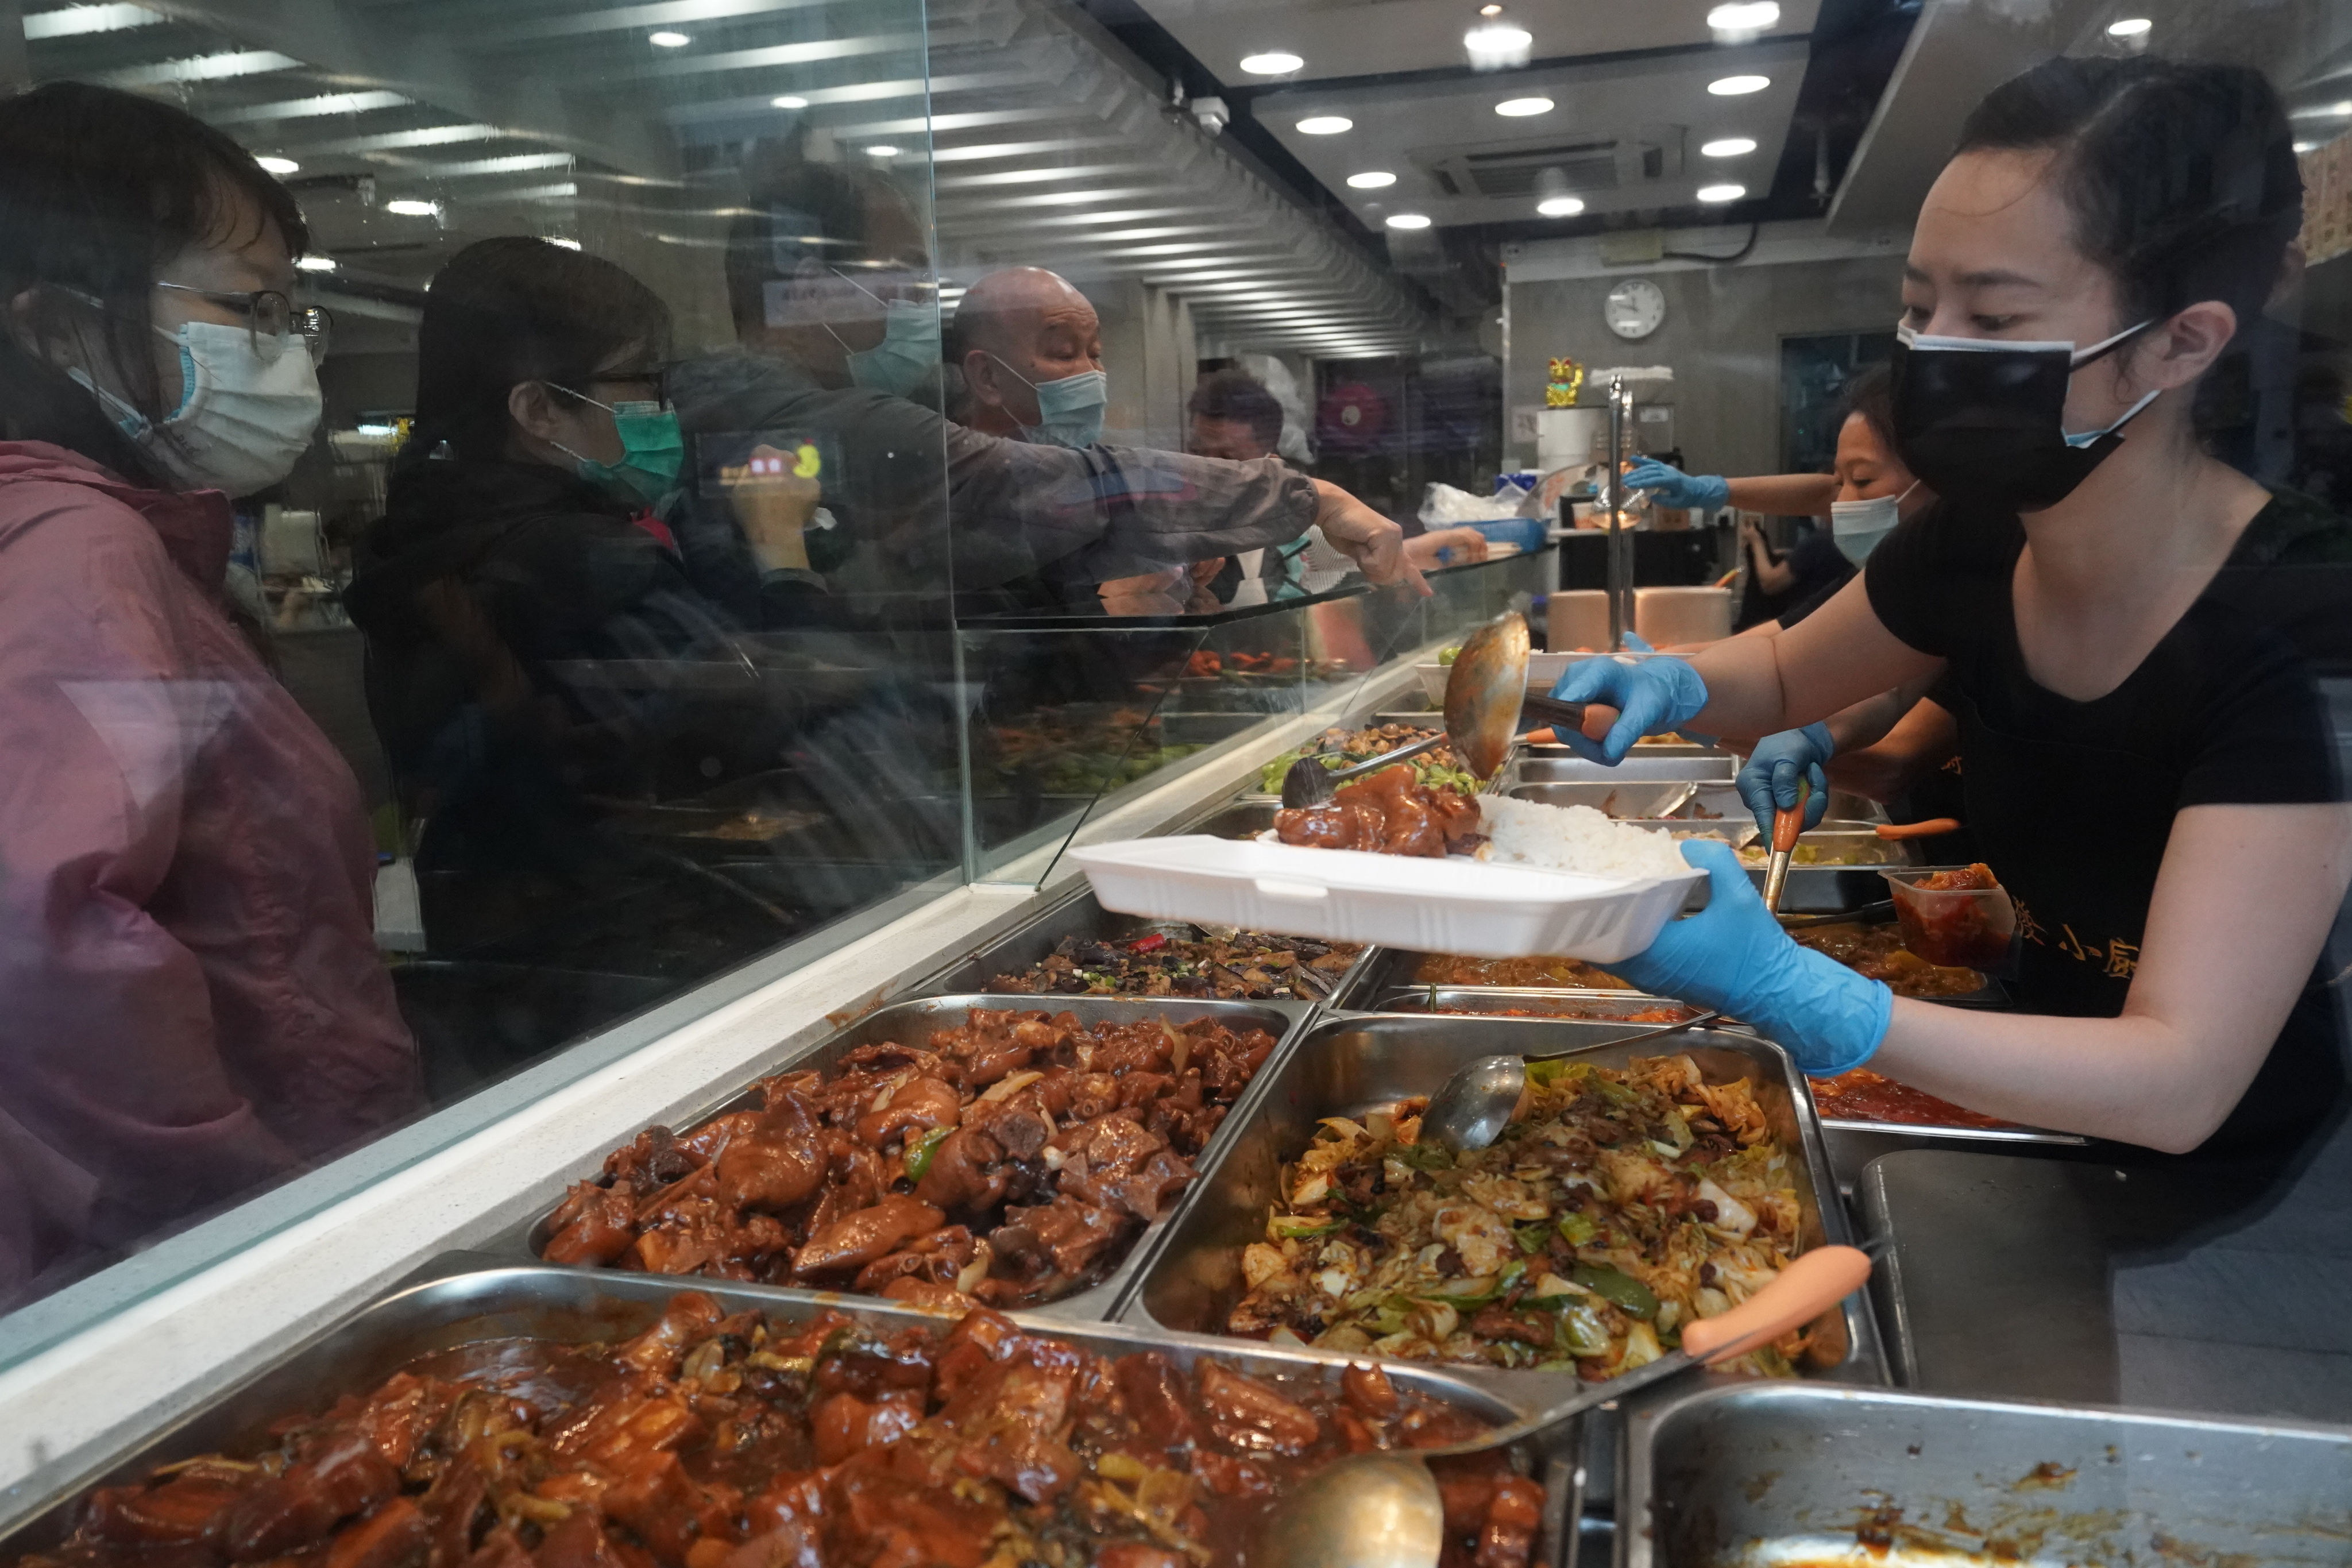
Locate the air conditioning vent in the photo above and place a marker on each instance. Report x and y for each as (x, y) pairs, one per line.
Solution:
(1589, 165)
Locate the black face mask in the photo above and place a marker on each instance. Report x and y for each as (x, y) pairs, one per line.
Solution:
(1983, 421)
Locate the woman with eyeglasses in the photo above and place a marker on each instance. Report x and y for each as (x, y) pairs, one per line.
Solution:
(519, 549)
(2148, 649)
(193, 1000)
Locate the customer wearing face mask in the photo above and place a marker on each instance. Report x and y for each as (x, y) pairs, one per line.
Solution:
(188, 971)
(519, 539)
(2130, 626)
(837, 321)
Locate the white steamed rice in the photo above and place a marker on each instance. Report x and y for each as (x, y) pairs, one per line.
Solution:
(1573, 838)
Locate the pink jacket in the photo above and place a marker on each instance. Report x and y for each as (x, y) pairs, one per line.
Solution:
(191, 1001)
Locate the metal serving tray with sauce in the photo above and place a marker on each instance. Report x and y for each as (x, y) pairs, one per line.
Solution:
(1782, 1473)
(1390, 970)
(1350, 1063)
(913, 1024)
(1505, 1001)
(481, 1299)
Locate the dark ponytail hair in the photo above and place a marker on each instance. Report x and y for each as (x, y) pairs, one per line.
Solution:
(2181, 178)
(99, 189)
(505, 312)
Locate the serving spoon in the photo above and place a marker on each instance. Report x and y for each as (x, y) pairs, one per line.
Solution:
(1471, 1108)
(1486, 693)
(1381, 1508)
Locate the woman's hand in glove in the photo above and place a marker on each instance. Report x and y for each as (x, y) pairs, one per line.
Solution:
(1651, 696)
(1734, 957)
(1674, 487)
(1768, 781)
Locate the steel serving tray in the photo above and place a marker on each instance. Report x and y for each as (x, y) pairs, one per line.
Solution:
(913, 1023)
(490, 1301)
(1347, 1064)
(1389, 970)
(1078, 915)
(1854, 1145)
(1791, 1472)
(1503, 1000)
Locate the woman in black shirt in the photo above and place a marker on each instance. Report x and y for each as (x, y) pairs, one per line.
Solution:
(2145, 645)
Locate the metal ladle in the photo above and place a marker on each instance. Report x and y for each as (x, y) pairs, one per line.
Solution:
(1486, 694)
(1382, 1509)
(1471, 1108)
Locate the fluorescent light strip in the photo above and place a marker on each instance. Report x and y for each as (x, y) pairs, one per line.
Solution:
(1034, 176)
(515, 164)
(983, 149)
(305, 108)
(393, 141)
(788, 55)
(534, 194)
(199, 68)
(74, 21)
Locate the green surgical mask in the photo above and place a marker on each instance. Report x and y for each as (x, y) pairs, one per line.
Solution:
(653, 448)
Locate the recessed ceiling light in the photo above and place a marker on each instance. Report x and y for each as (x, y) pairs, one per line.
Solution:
(667, 40)
(1561, 206)
(1495, 44)
(1273, 62)
(1325, 125)
(1373, 180)
(1721, 193)
(1733, 85)
(315, 263)
(881, 150)
(405, 207)
(1408, 220)
(1728, 147)
(1745, 17)
(1520, 108)
(2129, 28)
(790, 101)
(277, 165)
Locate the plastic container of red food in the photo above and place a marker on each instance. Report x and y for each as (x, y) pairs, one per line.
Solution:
(1971, 928)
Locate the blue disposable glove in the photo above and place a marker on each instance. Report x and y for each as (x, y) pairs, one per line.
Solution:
(1674, 487)
(1734, 957)
(1651, 696)
(1768, 781)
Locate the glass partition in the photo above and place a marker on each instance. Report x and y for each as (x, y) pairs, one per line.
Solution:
(619, 499)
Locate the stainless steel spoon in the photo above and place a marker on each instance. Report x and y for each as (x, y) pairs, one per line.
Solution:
(1486, 694)
(1382, 1509)
(1471, 1108)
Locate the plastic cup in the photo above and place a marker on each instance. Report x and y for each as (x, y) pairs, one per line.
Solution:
(1973, 929)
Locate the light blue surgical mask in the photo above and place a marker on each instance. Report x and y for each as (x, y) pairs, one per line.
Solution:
(910, 349)
(1069, 408)
(653, 448)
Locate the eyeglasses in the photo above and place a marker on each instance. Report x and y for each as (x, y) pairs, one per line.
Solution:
(657, 379)
(271, 317)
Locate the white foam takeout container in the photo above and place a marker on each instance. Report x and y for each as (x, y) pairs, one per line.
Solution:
(1454, 905)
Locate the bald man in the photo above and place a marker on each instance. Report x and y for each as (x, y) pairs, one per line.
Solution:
(1030, 347)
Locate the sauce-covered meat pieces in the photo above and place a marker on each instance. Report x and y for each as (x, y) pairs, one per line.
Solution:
(712, 1441)
(1247, 967)
(1388, 813)
(1876, 953)
(1010, 1161)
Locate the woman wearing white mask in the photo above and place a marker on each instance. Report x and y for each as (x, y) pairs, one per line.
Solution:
(2131, 627)
(187, 963)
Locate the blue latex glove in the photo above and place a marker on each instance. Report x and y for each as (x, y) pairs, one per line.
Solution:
(1674, 487)
(1768, 782)
(1733, 956)
(1651, 696)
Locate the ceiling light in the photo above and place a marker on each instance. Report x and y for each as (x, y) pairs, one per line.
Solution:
(567, 243)
(881, 150)
(1325, 125)
(73, 21)
(1721, 193)
(1494, 45)
(1273, 62)
(790, 101)
(1373, 180)
(2305, 146)
(404, 207)
(1734, 85)
(668, 40)
(315, 263)
(1745, 19)
(1728, 147)
(2129, 27)
(1408, 220)
(1521, 108)
(1561, 206)
(275, 165)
